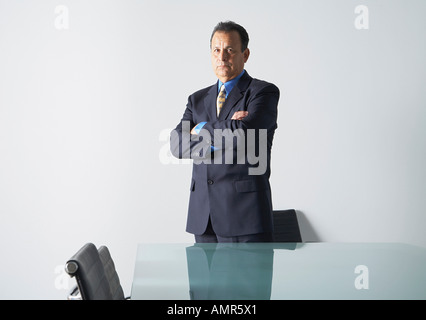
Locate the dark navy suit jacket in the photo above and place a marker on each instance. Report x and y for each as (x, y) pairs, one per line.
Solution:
(237, 201)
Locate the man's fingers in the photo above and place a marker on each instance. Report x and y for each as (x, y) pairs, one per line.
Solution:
(239, 115)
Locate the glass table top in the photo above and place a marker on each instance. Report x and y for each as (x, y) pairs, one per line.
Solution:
(278, 271)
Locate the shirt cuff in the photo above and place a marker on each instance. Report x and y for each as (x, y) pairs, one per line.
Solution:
(197, 130)
(199, 126)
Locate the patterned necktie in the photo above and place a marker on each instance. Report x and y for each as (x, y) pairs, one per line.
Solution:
(220, 99)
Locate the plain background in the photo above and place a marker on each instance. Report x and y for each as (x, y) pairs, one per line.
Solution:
(85, 114)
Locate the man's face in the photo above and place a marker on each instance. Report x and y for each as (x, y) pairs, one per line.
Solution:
(227, 59)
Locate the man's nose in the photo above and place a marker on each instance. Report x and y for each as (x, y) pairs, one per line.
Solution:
(223, 55)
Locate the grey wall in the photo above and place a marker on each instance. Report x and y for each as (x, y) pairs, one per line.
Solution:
(85, 112)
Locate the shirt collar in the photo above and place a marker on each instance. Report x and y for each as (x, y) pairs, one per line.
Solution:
(229, 85)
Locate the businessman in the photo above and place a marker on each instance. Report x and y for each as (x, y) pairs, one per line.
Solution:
(227, 129)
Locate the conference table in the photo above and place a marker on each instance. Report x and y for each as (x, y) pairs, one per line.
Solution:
(279, 271)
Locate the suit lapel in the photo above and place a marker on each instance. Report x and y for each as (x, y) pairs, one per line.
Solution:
(235, 95)
(210, 103)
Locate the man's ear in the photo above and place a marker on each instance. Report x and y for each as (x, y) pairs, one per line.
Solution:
(246, 54)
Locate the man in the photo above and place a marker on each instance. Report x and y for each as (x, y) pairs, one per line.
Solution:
(228, 130)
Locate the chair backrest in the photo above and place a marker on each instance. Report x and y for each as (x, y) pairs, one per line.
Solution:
(111, 274)
(286, 226)
(86, 266)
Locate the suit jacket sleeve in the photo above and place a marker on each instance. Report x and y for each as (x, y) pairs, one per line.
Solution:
(262, 113)
(185, 145)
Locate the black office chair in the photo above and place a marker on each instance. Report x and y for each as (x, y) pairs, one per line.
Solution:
(111, 274)
(286, 226)
(95, 273)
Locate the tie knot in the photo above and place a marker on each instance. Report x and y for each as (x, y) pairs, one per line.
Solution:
(222, 88)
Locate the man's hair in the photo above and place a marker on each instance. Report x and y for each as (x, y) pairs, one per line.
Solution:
(229, 26)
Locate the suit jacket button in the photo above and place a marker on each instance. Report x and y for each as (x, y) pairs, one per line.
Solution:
(210, 181)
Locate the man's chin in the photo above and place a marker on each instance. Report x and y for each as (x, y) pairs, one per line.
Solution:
(223, 73)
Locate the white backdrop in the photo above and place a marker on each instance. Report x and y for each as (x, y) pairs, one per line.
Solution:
(90, 89)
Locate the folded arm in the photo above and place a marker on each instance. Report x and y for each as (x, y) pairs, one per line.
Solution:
(196, 141)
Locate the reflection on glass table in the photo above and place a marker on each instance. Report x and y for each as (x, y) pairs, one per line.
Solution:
(279, 271)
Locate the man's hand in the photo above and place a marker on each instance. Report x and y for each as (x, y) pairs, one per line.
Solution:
(239, 115)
